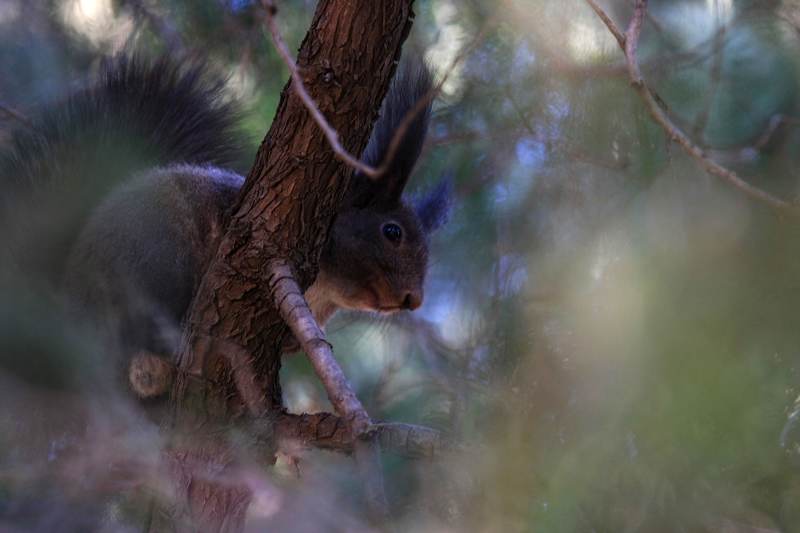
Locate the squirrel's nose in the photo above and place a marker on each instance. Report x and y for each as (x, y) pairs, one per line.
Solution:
(412, 300)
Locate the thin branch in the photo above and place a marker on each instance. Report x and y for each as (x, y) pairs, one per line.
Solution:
(300, 90)
(330, 133)
(629, 45)
(669, 61)
(294, 310)
(612, 26)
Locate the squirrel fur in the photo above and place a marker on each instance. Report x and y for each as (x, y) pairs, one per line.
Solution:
(125, 190)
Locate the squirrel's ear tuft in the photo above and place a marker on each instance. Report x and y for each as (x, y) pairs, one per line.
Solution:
(433, 207)
(411, 84)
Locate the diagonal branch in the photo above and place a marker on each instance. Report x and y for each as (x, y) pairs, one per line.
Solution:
(300, 90)
(629, 43)
(294, 310)
(612, 26)
(296, 313)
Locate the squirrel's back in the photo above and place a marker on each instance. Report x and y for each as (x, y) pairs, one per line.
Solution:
(127, 184)
(136, 115)
(138, 259)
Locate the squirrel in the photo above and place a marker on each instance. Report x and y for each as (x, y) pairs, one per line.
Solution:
(130, 184)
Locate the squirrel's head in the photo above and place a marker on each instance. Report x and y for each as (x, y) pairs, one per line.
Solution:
(377, 255)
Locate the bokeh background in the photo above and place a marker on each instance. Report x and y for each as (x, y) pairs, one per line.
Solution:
(610, 335)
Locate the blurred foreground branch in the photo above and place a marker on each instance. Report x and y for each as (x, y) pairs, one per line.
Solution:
(629, 42)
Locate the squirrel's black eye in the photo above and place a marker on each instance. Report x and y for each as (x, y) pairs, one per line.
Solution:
(392, 232)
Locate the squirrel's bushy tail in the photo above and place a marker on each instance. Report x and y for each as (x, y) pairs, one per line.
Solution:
(136, 115)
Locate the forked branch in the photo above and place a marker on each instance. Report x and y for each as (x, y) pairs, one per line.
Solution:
(629, 42)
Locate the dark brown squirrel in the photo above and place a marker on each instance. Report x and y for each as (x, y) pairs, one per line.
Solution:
(142, 153)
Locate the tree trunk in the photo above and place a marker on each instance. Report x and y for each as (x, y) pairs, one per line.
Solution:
(285, 211)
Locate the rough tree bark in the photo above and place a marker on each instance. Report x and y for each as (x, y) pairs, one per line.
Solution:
(284, 213)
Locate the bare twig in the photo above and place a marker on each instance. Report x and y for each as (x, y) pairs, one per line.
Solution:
(612, 26)
(330, 133)
(311, 106)
(629, 45)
